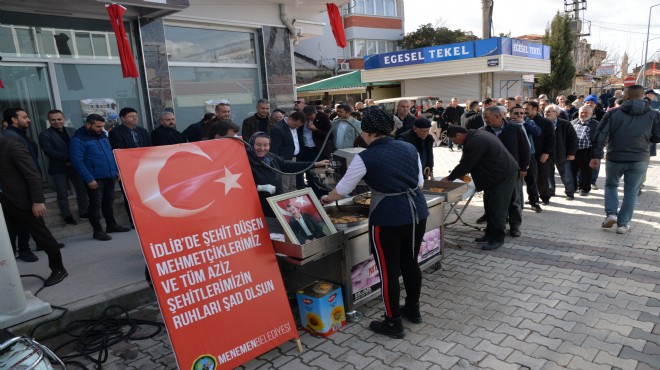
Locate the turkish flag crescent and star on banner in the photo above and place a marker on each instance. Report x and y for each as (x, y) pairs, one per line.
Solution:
(336, 24)
(209, 253)
(128, 67)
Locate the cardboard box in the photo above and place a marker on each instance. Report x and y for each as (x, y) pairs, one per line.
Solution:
(321, 307)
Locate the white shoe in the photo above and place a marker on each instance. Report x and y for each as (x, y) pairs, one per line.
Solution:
(610, 220)
(622, 229)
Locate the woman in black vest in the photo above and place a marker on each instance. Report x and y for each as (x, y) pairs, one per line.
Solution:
(397, 218)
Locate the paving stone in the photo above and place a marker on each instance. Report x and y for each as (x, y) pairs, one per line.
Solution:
(383, 354)
(520, 358)
(493, 363)
(461, 351)
(606, 358)
(534, 327)
(530, 315)
(408, 362)
(588, 354)
(578, 363)
(326, 362)
(514, 332)
(440, 359)
(437, 344)
(565, 325)
(574, 338)
(410, 349)
(617, 338)
(642, 357)
(551, 343)
(551, 355)
(611, 348)
(493, 349)
(494, 338)
(522, 346)
(571, 308)
(331, 349)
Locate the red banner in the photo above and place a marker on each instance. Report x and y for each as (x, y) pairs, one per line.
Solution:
(336, 24)
(204, 237)
(128, 67)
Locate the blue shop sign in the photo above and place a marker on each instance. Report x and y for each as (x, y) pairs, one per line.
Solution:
(462, 50)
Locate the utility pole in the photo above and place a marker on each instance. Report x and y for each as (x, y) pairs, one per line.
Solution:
(486, 22)
(574, 7)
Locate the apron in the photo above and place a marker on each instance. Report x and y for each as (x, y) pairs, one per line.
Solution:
(377, 197)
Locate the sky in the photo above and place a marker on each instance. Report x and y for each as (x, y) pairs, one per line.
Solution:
(617, 26)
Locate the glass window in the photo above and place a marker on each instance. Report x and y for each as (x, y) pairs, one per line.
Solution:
(94, 81)
(192, 87)
(84, 44)
(358, 8)
(209, 46)
(7, 40)
(26, 42)
(100, 44)
(369, 7)
(390, 8)
(48, 43)
(380, 7)
(48, 36)
(360, 47)
(372, 47)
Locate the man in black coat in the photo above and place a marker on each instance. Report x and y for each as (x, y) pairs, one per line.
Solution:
(565, 148)
(544, 148)
(199, 131)
(18, 123)
(471, 119)
(54, 143)
(419, 137)
(493, 170)
(515, 141)
(22, 202)
(286, 141)
(128, 135)
(166, 133)
(403, 117)
(452, 116)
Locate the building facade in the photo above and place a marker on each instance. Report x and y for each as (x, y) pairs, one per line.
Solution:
(370, 26)
(190, 54)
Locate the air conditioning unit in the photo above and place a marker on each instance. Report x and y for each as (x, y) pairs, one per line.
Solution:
(344, 66)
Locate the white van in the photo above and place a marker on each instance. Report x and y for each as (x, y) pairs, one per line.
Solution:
(419, 104)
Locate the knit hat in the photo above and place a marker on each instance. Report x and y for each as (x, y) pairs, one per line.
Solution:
(592, 98)
(377, 121)
(422, 123)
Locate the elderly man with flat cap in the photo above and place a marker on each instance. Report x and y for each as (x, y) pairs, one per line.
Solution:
(419, 137)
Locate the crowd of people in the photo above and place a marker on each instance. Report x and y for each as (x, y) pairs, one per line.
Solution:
(505, 144)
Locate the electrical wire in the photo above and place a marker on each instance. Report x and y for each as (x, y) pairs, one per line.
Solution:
(92, 339)
(97, 335)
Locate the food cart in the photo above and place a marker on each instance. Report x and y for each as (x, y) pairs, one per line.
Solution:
(345, 257)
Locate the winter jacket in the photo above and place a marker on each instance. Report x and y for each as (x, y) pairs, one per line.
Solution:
(566, 142)
(628, 132)
(91, 155)
(472, 120)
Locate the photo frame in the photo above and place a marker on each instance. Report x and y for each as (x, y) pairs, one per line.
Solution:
(301, 215)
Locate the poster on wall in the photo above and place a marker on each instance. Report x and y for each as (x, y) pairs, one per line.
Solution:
(105, 107)
(205, 241)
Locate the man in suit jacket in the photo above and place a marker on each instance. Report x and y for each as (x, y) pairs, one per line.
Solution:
(55, 145)
(286, 141)
(166, 133)
(566, 144)
(128, 135)
(22, 202)
(18, 123)
(303, 225)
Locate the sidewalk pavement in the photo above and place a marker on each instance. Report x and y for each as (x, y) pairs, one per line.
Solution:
(566, 294)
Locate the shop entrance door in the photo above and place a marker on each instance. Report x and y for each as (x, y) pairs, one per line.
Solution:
(27, 85)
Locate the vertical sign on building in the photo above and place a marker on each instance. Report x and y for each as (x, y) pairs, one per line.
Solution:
(208, 250)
